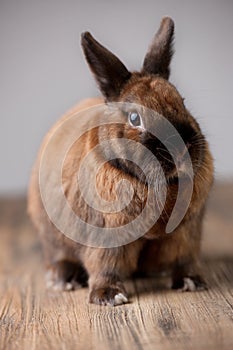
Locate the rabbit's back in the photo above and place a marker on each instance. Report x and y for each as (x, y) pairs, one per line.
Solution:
(35, 207)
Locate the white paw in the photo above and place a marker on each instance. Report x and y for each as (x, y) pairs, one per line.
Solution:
(59, 286)
(120, 299)
(189, 285)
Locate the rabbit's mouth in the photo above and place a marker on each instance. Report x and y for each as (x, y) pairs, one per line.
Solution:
(176, 175)
(178, 158)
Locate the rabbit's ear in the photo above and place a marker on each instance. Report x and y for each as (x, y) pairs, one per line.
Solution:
(158, 57)
(110, 73)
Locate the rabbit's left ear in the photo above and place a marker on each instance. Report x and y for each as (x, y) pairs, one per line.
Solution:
(158, 58)
(110, 73)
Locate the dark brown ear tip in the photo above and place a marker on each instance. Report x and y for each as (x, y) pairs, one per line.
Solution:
(86, 37)
(167, 22)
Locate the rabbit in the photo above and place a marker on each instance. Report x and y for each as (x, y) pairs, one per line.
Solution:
(71, 264)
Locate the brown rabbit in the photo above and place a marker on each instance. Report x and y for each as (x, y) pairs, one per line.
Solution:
(103, 265)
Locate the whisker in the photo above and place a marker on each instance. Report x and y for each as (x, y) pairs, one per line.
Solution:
(168, 160)
(165, 150)
(173, 135)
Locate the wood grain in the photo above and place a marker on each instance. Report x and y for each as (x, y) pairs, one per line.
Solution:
(157, 318)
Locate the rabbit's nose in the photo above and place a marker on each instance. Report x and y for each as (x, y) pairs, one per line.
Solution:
(181, 157)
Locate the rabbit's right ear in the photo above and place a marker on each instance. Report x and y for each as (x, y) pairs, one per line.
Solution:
(110, 73)
(158, 58)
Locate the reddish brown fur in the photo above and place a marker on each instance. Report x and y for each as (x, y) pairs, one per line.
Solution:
(107, 268)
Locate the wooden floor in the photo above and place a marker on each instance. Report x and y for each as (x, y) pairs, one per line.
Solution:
(157, 318)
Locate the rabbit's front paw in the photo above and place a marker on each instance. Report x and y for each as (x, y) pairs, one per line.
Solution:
(64, 275)
(108, 296)
(192, 283)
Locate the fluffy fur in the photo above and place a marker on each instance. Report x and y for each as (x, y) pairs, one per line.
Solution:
(69, 264)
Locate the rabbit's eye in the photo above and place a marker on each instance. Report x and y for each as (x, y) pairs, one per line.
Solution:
(135, 119)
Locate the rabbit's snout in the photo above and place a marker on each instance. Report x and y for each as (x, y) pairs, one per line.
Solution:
(173, 154)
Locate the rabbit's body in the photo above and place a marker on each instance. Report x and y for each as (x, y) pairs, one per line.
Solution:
(70, 263)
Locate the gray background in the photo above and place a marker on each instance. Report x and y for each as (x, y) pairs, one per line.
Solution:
(43, 72)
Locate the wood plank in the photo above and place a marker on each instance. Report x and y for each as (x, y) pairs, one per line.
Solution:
(157, 318)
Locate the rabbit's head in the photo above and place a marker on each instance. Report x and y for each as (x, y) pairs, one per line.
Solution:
(141, 96)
